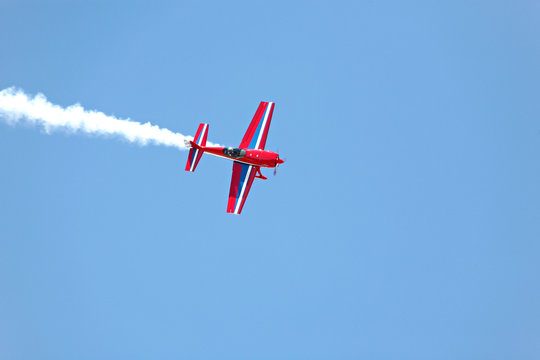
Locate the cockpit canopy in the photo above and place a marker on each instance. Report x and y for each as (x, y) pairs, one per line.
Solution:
(234, 153)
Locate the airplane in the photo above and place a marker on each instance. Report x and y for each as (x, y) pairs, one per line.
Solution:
(248, 158)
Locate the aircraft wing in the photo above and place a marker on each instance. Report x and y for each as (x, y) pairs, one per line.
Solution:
(242, 178)
(255, 137)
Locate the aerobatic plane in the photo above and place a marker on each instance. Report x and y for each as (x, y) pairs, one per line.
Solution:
(248, 158)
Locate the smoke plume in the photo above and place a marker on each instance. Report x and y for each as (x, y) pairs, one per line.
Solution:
(18, 107)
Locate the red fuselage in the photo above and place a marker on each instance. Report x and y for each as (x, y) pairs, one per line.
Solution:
(263, 158)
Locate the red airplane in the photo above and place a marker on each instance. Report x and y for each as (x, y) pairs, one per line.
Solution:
(248, 158)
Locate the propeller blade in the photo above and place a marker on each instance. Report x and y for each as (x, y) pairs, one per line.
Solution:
(275, 169)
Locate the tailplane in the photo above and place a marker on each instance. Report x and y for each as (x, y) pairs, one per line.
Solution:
(196, 147)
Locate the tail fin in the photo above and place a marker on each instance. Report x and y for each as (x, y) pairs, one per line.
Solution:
(197, 148)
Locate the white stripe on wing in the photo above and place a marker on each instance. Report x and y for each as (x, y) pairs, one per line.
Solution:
(268, 107)
(205, 126)
(194, 159)
(239, 200)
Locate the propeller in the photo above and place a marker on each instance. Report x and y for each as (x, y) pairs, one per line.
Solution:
(278, 161)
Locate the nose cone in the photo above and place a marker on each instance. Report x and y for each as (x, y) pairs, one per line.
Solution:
(279, 161)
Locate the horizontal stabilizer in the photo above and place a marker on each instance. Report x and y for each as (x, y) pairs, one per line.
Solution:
(197, 147)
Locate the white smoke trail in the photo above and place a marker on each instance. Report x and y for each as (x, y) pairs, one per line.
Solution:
(16, 106)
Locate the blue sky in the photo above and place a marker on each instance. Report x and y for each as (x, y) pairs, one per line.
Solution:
(404, 224)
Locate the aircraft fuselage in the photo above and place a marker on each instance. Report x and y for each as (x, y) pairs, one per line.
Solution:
(263, 158)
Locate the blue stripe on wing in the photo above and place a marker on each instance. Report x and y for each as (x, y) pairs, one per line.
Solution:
(198, 141)
(243, 179)
(253, 142)
(193, 152)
